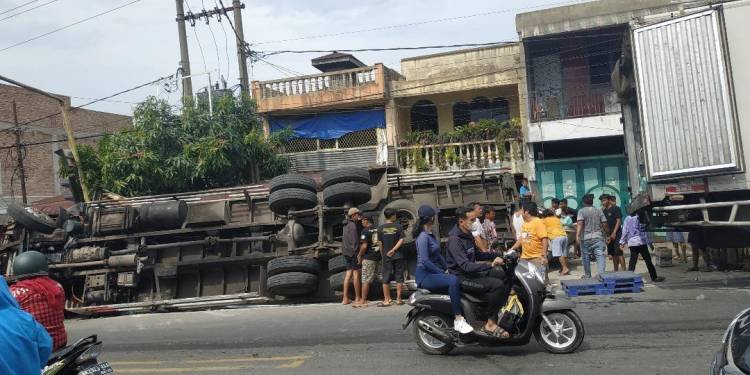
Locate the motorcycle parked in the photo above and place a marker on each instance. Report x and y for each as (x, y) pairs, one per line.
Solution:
(80, 358)
(532, 309)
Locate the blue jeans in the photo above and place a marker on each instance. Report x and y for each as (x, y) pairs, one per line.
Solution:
(440, 282)
(593, 247)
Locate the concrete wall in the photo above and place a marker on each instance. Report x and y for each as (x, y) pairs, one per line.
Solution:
(575, 128)
(595, 14)
(40, 164)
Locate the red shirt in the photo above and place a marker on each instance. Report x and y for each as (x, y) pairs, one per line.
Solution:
(44, 299)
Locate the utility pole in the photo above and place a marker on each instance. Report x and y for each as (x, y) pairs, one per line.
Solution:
(19, 156)
(187, 84)
(241, 52)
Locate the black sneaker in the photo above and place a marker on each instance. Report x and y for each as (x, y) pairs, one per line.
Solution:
(658, 279)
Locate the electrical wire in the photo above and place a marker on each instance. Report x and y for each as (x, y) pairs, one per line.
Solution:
(27, 10)
(18, 7)
(68, 26)
(418, 23)
(200, 47)
(216, 45)
(226, 41)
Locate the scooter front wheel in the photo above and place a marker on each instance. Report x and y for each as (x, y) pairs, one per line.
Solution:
(423, 323)
(564, 333)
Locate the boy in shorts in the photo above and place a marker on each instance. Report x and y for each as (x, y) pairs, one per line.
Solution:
(369, 257)
(391, 237)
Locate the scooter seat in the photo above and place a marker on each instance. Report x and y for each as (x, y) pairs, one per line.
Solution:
(423, 291)
(471, 298)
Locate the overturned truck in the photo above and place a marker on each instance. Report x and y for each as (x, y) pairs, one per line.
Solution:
(250, 244)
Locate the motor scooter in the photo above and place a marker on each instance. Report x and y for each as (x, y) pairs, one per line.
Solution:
(532, 309)
(80, 358)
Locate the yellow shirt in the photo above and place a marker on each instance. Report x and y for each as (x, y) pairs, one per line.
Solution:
(532, 234)
(554, 227)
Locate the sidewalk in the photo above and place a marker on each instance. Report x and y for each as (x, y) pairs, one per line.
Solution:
(676, 274)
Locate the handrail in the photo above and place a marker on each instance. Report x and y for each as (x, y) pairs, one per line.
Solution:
(445, 144)
(297, 78)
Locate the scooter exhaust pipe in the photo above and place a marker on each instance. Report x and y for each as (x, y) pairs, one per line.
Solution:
(436, 332)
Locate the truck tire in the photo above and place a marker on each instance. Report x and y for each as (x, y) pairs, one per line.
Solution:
(355, 193)
(293, 263)
(346, 174)
(337, 264)
(337, 281)
(292, 181)
(283, 200)
(31, 219)
(406, 212)
(292, 284)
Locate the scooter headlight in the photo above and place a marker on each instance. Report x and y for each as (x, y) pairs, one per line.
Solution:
(534, 272)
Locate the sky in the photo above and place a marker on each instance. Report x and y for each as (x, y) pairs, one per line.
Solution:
(138, 43)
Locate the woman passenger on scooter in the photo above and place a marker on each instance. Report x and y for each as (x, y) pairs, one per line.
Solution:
(432, 271)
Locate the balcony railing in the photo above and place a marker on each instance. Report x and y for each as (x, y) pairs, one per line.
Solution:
(556, 107)
(321, 82)
(458, 156)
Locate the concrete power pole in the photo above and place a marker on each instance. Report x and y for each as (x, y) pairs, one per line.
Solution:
(241, 52)
(19, 156)
(187, 84)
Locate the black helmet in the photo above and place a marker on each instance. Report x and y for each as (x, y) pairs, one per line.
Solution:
(29, 263)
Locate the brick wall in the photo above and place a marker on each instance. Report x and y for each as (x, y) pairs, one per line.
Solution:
(40, 163)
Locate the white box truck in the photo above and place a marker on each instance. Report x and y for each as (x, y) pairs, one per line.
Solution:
(684, 82)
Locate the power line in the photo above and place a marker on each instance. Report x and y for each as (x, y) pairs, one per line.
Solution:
(216, 45)
(68, 26)
(27, 10)
(271, 53)
(226, 42)
(18, 7)
(417, 23)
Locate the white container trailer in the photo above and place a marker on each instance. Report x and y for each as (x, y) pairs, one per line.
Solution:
(684, 81)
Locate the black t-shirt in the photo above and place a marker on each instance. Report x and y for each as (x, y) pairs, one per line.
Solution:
(389, 234)
(612, 214)
(372, 252)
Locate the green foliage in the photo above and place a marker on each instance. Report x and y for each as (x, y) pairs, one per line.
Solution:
(483, 130)
(167, 152)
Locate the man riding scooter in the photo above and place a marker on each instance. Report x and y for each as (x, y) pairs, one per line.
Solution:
(477, 272)
(39, 295)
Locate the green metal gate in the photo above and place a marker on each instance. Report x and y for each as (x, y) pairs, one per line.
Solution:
(574, 177)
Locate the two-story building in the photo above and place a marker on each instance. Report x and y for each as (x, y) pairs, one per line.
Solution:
(574, 132)
(336, 118)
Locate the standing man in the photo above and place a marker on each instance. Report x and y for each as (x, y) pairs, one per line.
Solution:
(350, 249)
(488, 226)
(369, 257)
(517, 221)
(555, 204)
(590, 229)
(534, 240)
(698, 245)
(614, 222)
(391, 237)
(525, 192)
(567, 211)
(476, 227)
(39, 295)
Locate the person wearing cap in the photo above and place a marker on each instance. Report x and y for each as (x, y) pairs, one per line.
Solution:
(432, 269)
(369, 257)
(613, 213)
(350, 249)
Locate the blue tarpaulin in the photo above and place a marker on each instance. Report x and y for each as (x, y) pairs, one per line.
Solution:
(329, 125)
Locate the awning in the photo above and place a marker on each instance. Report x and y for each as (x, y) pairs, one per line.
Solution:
(331, 125)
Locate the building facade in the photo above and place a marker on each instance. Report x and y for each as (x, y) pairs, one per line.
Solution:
(574, 129)
(41, 139)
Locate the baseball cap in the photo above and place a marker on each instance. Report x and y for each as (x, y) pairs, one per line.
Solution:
(426, 210)
(352, 211)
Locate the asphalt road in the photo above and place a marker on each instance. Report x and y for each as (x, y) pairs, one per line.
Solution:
(671, 329)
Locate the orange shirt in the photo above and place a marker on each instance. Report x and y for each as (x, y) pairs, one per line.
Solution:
(554, 227)
(532, 234)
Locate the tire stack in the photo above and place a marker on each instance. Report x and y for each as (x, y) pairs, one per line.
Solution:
(293, 276)
(346, 187)
(292, 192)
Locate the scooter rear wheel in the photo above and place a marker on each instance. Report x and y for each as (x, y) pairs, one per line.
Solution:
(426, 342)
(566, 334)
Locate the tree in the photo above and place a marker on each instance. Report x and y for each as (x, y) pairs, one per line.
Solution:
(169, 152)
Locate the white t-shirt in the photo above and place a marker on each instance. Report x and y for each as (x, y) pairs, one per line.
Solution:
(477, 230)
(517, 224)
